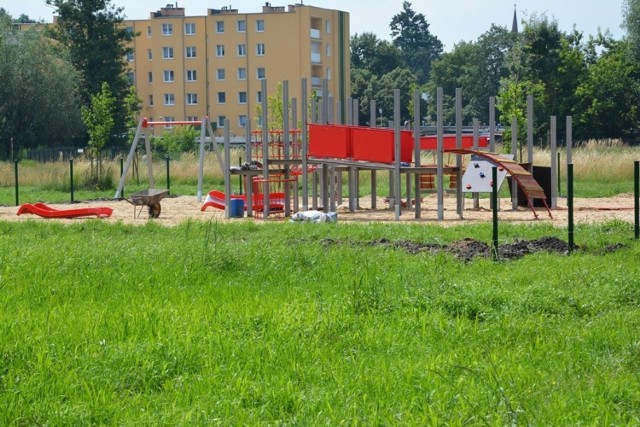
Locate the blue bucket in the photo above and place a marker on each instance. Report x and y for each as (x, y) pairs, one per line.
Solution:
(236, 208)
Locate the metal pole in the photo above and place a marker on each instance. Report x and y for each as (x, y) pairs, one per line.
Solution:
(459, 195)
(554, 164)
(514, 151)
(492, 124)
(439, 154)
(121, 173)
(416, 148)
(71, 178)
(476, 196)
(372, 123)
(558, 174)
(530, 132)
(305, 168)
(570, 205)
(494, 203)
(396, 144)
(15, 168)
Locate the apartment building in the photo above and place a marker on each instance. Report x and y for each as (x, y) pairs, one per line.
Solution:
(187, 67)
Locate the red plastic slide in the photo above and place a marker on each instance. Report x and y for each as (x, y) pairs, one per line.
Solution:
(45, 211)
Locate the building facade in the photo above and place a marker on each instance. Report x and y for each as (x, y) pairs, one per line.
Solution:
(188, 67)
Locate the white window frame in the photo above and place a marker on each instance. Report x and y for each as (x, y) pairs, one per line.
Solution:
(260, 49)
(242, 73)
(150, 77)
(190, 28)
(150, 100)
(221, 96)
(192, 75)
(221, 120)
(259, 71)
(130, 56)
(241, 26)
(167, 29)
(220, 50)
(220, 27)
(240, 94)
(167, 52)
(221, 74)
(259, 96)
(192, 99)
(260, 26)
(242, 120)
(190, 52)
(242, 50)
(169, 119)
(150, 54)
(168, 76)
(169, 99)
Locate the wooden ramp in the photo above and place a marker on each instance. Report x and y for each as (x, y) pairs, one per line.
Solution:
(525, 180)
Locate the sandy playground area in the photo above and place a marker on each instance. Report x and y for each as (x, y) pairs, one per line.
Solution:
(179, 209)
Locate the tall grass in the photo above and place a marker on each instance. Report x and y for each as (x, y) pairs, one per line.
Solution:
(299, 324)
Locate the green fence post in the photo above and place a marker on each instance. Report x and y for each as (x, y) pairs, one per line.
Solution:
(494, 203)
(572, 245)
(167, 158)
(636, 198)
(71, 177)
(15, 167)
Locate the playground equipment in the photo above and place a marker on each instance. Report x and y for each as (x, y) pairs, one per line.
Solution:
(143, 125)
(46, 211)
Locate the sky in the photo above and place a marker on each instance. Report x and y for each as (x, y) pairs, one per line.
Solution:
(449, 20)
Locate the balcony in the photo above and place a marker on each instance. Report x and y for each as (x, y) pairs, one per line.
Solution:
(315, 34)
(316, 81)
(316, 58)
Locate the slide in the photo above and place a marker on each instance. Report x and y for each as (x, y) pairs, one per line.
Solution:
(45, 211)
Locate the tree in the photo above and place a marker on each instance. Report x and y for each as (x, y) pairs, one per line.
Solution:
(400, 78)
(39, 102)
(92, 31)
(418, 47)
(631, 22)
(98, 119)
(376, 56)
(608, 99)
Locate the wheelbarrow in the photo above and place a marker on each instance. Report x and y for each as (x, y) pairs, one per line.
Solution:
(149, 198)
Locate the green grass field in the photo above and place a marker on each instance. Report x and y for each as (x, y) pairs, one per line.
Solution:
(307, 324)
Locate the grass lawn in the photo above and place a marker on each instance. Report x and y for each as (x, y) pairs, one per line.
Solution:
(307, 324)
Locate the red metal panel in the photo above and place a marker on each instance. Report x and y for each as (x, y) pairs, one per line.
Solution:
(377, 145)
(329, 141)
(430, 142)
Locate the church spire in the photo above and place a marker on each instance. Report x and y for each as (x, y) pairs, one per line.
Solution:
(514, 25)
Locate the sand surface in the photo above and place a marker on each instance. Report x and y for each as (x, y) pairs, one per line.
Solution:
(179, 209)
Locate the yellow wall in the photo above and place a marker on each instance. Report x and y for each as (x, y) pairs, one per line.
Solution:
(287, 38)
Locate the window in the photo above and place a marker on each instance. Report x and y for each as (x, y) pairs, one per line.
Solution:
(189, 28)
(169, 119)
(192, 99)
(327, 26)
(260, 25)
(259, 96)
(192, 76)
(260, 49)
(221, 120)
(242, 73)
(130, 31)
(192, 119)
(242, 97)
(150, 77)
(150, 100)
(167, 76)
(327, 50)
(131, 78)
(167, 52)
(190, 52)
(220, 27)
(220, 74)
(169, 99)
(148, 30)
(129, 56)
(222, 97)
(220, 50)
(242, 49)
(149, 54)
(260, 73)
(328, 73)
(242, 121)
(242, 26)
(167, 29)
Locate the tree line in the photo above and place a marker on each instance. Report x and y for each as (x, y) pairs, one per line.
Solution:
(596, 80)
